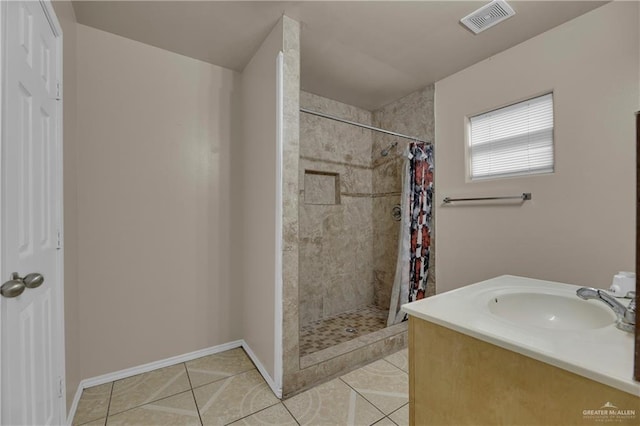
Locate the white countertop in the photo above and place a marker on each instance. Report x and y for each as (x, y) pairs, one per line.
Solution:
(602, 354)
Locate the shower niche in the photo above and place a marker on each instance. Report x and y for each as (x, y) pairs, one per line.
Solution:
(321, 188)
(350, 184)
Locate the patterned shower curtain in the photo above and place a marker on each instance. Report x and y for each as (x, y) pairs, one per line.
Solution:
(412, 269)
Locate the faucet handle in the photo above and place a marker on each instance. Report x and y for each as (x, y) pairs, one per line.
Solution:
(629, 318)
(632, 305)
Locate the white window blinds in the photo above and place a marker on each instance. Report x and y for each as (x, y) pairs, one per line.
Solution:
(514, 140)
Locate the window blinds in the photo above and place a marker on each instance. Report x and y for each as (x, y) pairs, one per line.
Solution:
(514, 140)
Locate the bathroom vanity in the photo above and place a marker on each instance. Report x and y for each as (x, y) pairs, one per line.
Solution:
(514, 350)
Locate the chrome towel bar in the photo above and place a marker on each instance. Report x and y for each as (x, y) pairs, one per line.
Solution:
(524, 196)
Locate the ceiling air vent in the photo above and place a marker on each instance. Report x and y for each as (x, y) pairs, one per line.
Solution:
(487, 16)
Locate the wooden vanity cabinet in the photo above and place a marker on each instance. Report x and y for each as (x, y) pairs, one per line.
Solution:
(455, 379)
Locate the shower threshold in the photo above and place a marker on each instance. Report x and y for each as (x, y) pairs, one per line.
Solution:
(340, 328)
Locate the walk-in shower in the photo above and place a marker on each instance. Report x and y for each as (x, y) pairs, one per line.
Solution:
(350, 179)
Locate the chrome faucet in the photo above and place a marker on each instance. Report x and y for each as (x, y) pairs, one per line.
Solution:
(626, 315)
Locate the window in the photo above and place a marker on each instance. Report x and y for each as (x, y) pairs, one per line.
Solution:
(512, 141)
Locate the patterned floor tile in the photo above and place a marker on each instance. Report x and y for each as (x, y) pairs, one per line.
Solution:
(99, 422)
(175, 410)
(384, 385)
(329, 332)
(375, 394)
(93, 404)
(401, 416)
(148, 387)
(385, 422)
(231, 399)
(400, 359)
(332, 403)
(211, 368)
(276, 415)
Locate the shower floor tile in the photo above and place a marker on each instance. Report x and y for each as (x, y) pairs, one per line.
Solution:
(329, 332)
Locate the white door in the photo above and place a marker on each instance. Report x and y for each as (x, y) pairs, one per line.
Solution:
(31, 322)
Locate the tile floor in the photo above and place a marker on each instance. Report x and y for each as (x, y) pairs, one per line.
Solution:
(226, 388)
(329, 332)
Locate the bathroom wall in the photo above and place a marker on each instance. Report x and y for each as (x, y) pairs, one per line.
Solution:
(579, 227)
(66, 17)
(336, 232)
(411, 115)
(153, 174)
(255, 188)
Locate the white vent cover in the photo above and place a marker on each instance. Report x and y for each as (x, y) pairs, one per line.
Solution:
(488, 16)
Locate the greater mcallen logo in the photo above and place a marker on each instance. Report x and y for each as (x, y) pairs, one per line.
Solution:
(609, 413)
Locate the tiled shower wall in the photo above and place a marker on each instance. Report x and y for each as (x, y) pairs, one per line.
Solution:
(348, 237)
(413, 116)
(336, 254)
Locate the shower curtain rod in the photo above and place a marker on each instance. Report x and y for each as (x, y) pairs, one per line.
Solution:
(364, 126)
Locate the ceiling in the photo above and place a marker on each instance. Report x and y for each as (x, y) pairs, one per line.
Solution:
(363, 53)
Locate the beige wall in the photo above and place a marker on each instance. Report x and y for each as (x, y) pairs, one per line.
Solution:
(579, 227)
(67, 19)
(254, 188)
(154, 132)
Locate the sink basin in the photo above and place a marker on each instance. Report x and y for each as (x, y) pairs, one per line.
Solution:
(551, 311)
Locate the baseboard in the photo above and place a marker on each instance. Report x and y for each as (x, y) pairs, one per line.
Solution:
(277, 390)
(145, 368)
(74, 404)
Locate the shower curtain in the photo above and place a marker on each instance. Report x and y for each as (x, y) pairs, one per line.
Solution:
(412, 269)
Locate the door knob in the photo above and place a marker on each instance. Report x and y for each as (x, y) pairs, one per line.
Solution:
(33, 280)
(14, 287)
